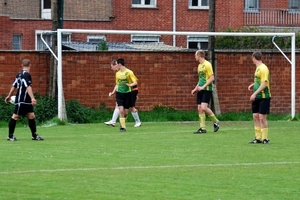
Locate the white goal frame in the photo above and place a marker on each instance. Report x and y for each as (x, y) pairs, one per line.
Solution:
(59, 53)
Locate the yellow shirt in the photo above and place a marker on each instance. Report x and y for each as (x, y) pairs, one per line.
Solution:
(124, 77)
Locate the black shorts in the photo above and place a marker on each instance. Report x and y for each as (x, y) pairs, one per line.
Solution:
(23, 109)
(261, 106)
(123, 99)
(203, 96)
(133, 95)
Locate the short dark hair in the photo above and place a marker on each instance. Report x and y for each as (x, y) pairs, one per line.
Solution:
(257, 55)
(121, 61)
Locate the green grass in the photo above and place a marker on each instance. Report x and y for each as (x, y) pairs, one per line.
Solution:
(162, 160)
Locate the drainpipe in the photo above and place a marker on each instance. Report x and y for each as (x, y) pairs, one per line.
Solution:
(174, 22)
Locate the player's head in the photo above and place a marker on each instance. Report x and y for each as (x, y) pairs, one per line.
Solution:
(26, 63)
(114, 65)
(200, 55)
(257, 55)
(121, 61)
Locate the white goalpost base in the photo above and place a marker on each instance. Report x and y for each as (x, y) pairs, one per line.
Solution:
(292, 61)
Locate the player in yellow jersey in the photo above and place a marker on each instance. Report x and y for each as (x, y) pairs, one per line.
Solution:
(125, 80)
(261, 98)
(132, 108)
(204, 90)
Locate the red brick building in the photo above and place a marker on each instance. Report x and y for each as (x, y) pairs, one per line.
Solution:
(21, 22)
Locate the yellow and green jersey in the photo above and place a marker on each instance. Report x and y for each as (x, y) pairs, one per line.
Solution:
(124, 77)
(204, 72)
(261, 75)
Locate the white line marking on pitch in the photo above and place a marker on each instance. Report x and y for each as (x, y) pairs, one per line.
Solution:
(148, 167)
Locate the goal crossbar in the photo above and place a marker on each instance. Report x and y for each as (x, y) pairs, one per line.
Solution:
(66, 31)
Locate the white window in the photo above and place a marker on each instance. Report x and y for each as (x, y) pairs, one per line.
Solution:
(95, 39)
(47, 36)
(199, 4)
(251, 5)
(197, 42)
(144, 3)
(17, 42)
(294, 4)
(46, 9)
(145, 38)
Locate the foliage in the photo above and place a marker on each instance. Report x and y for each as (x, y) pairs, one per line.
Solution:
(102, 46)
(46, 108)
(253, 42)
(46, 114)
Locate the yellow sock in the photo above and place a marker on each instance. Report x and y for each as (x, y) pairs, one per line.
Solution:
(122, 122)
(202, 118)
(264, 132)
(258, 131)
(213, 118)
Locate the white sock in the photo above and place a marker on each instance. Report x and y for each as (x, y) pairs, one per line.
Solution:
(115, 115)
(135, 115)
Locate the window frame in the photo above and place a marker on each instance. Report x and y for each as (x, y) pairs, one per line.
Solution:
(18, 43)
(249, 9)
(143, 5)
(45, 12)
(65, 38)
(199, 6)
(138, 38)
(96, 37)
(197, 39)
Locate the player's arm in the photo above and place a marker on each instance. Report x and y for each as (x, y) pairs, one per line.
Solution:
(194, 90)
(30, 93)
(208, 82)
(262, 86)
(114, 90)
(250, 86)
(11, 91)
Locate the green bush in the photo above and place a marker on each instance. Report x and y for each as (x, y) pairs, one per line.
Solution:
(253, 42)
(46, 112)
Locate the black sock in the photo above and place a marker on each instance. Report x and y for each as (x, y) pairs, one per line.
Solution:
(32, 126)
(11, 127)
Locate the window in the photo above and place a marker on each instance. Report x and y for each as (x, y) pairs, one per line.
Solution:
(197, 42)
(40, 45)
(143, 3)
(251, 5)
(199, 4)
(46, 9)
(95, 39)
(145, 38)
(294, 4)
(17, 42)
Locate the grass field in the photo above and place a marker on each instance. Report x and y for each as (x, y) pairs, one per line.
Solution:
(155, 161)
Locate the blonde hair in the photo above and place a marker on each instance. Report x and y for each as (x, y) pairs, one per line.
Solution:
(201, 53)
(26, 62)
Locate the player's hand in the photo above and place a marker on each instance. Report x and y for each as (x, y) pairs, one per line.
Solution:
(33, 102)
(110, 94)
(252, 97)
(7, 99)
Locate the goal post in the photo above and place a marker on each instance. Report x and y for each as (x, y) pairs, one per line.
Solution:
(61, 32)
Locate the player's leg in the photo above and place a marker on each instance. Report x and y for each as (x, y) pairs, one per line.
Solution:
(121, 101)
(201, 114)
(204, 105)
(114, 118)
(134, 111)
(32, 126)
(257, 125)
(263, 111)
(11, 127)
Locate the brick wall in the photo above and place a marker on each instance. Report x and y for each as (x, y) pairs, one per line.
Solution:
(164, 78)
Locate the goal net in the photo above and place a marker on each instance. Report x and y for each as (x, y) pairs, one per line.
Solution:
(164, 63)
